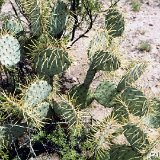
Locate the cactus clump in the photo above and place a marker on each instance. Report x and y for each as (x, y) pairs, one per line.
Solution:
(10, 50)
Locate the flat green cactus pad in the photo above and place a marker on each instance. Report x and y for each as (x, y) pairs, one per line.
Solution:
(105, 93)
(42, 110)
(67, 112)
(152, 119)
(52, 62)
(13, 25)
(58, 19)
(15, 131)
(123, 152)
(131, 76)
(135, 101)
(98, 43)
(120, 113)
(136, 137)
(81, 96)
(9, 50)
(105, 61)
(35, 11)
(36, 93)
(114, 22)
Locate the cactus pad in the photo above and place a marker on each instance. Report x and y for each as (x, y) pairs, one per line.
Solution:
(13, 26)
(105, 93)
(136, 137)
(52, 61)
(104, 61)
(114, 22)
(81, 96)
(15, 131)
(131, 76)
(152, 119)
(123, 152)
(42, 110)
(135, 101)
(37, 92)
(67, 112)
(34, 12)
(120, 113)
(98, 43)
(58, 19)
(10, 50)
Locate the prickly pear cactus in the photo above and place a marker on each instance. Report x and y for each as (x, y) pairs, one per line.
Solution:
(36, 93)
(58, 19)
(105, 92)
(98, 43)
(82, 96)
(15, 131)
(136, 137)
(152, 118)
(52, 61)
(124, 152)
(131, 76)
(114, 22)
(120, 113)
(33, 11)
(41, 110)
(10, 50)
(67, 112)
(13, 25)
(104, 61)
(135, 101)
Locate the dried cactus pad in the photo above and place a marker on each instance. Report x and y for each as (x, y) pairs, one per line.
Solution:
(9, 50)
(37, 92)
